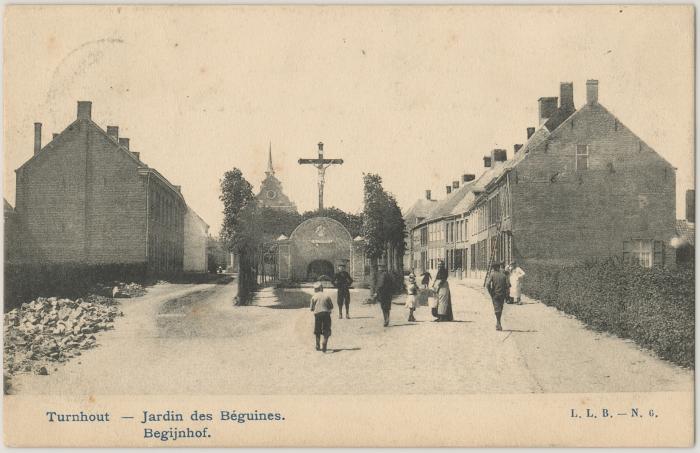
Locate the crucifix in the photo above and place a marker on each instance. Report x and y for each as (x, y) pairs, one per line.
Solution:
(321, 164)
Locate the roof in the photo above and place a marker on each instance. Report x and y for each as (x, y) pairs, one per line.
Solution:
(143, 168)
(686, 231)
(420, 210)
(8, 207)
(445, 206)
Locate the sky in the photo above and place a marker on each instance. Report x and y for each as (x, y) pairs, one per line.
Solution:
(416, 94)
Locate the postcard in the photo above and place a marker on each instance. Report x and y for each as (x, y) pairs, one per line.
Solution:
(349, 226)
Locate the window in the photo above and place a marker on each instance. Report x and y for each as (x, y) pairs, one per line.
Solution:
(643, 252)
(581, 157)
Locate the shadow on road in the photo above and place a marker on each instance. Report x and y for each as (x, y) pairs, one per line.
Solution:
(521, 331)
(334, 350)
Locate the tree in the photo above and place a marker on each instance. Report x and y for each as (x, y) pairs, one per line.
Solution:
(238, 231)
(373, 223)
(352, 222)
(383, 227)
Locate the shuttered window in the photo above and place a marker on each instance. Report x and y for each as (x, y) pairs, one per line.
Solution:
(658, 253)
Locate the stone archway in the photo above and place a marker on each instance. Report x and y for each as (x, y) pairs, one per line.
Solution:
(316, 240)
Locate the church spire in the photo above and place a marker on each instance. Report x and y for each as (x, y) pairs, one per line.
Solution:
(270, 170)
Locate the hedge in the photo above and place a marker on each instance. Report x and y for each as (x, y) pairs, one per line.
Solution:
(654, 307)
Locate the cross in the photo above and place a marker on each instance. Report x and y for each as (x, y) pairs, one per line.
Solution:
(321, 164)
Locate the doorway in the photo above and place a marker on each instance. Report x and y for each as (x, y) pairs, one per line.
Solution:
(320, 268)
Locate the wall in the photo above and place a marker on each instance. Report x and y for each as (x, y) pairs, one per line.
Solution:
(50, 200)
(116, 204)
(195, 243)
(81, 200)
(166, 231)
(561, 215)
(318, 238)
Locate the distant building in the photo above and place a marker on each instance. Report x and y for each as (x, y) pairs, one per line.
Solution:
(271, 194)
(583, 186)
(12, 239)
(685, 232)
(86, 198)
(195, 244)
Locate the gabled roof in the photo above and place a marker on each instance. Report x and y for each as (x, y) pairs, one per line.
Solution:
(421, 209)
(445, 206)
(143, 168)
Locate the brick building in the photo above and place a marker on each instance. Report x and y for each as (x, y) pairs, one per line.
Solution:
(582, 186)
(86, 198)
(195, 258)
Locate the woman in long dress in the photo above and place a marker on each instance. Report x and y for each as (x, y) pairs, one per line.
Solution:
(443, 312)
(516, 282)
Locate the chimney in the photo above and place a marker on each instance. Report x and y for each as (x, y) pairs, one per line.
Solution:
(530, 132)
(54, 135)
(37, 138)
(566, 96)
(449, 189)
(547, 108)
(136, 155)
(123, 141)
(591, 92)
(428, 195)
(487, 161)
(468, 177)
(113, 131)
(84, 110)
(455, 184)
(517, 148)
(690, 206)
(498, 155)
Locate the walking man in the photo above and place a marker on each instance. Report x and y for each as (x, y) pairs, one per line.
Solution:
(343, 281)
(322, 306)
(425, 281)
(497, 286)
(383, 292)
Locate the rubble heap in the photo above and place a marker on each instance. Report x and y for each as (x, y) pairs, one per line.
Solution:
(130, 290)
(119, 289)
(54, 330)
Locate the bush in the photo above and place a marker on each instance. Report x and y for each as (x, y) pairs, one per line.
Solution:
(654, 307)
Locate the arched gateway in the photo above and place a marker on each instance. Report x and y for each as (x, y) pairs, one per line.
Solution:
(317, 245)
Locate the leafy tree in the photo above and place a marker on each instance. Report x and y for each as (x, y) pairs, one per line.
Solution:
(274, 222)
(352, 222)
(373, 223)
(238, 230)
(383, 227)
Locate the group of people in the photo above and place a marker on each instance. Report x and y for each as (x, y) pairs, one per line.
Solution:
(322, 306)
(504, 285)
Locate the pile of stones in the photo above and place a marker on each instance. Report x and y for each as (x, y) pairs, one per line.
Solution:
(119, 289)
(49, 330)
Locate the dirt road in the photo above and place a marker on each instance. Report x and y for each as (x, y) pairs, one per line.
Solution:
(190, 339)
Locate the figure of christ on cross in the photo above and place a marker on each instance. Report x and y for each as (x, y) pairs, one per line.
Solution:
(321, 164)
